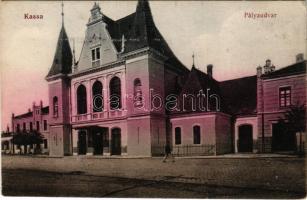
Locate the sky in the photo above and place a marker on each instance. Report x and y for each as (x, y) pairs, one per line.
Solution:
(216, 32)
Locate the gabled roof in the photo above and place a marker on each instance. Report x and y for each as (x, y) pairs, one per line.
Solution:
(196, 81)
(294, 69)
(62, 61)
(239, 96)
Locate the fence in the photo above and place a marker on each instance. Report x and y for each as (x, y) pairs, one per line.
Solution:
(186, 150)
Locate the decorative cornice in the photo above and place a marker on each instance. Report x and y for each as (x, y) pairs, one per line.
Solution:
(143, 51)
(55, 77)
(97, 69)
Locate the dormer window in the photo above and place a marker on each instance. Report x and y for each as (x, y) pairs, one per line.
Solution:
(96, 57)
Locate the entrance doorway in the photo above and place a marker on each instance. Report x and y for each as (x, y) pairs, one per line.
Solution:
(82, 143)
(97, 142)
(116, 141)
(282, 138)
(245, 138)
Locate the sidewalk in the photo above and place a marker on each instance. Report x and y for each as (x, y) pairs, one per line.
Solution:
(237, 155)
(277, 173)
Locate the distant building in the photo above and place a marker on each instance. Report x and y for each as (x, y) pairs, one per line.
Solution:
(36, 119)
(128, 94)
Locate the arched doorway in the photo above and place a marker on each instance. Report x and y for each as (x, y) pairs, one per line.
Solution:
(116, 141)
(245, 143)
(82, 142)
(97, 134)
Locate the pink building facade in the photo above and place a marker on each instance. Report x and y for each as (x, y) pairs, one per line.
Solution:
(128, 94)
(36, 119)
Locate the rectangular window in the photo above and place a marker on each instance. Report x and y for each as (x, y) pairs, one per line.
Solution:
(45, 125)
(96, 57)
(196, 134)
(93, 55)
(31, 126)
(177, 135)
(285, 96)
(24, 126)
(18, 128)
(96, 54)
(45, 144)
(37, 125)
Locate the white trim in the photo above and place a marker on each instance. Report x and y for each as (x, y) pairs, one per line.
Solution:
(193, 117)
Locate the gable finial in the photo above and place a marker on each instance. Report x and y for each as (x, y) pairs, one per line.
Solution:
(62, 13)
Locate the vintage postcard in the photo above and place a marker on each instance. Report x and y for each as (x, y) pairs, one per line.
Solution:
(153, 99)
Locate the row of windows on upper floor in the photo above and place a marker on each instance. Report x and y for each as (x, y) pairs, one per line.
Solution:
(24, 126)
(196, 135)
(97, 101)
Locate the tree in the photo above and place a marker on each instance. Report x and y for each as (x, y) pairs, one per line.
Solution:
(28, 138)
(20, 138)
(36, 138)
(296, 121)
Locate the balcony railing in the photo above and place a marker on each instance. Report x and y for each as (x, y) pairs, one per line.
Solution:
(98, 115)
(186, 150)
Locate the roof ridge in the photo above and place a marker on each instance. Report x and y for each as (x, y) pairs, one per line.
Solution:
(290, 65)
(237, 78)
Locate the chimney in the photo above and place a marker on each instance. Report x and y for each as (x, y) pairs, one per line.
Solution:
(299, 57)
(259, 71)
(267, 66)
(209, 70)
(29, 110)
(41, 103)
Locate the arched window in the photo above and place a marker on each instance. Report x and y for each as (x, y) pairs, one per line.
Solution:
(196, 134)
(177, 135)
(97, 97)
(81, 100)
(55, 107)
(115, 93)
(138, 97)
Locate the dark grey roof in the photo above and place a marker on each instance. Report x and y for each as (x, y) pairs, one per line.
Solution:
(140, 31)
(25, 115)
(62, 61)
(239, 96)
(296, 68)
(44, 111)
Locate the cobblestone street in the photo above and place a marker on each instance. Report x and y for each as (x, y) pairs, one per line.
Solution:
(203, 177)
